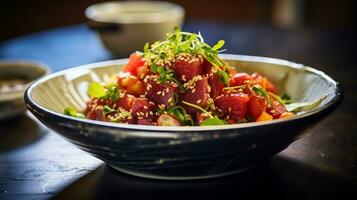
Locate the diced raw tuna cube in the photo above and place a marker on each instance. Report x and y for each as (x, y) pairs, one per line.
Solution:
(233, 106)
(198, 95)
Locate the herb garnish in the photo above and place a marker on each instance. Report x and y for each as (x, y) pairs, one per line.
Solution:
(97, 90)
(262, 92)
(212, 120)
(286, 98)
(183, 42)
(303, 106)
(180, 113)
(72, 112)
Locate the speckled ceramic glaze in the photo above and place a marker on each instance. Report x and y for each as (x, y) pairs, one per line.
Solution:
(182, 152)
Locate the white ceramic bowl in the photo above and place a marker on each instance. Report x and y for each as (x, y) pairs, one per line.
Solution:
(125, 27)
(12, 103)
(182, 152)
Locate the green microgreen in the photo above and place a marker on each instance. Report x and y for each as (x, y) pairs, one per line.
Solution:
(303, 106)
(112, 92)
(262, 92)
(180, 113)
(121, 115)
(107, 109)
(235, 87)
(183, 42)
(219, 45)
(72, 112)
(97, 90)
(198, 107)
(212, 120)
(286, 98)
(276, 97)
(223, 77)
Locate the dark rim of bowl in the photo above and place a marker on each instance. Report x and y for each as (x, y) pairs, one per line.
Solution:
(327, 107)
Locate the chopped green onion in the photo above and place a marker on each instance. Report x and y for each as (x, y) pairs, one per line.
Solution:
(96, 90)
(213, 121)
(72, 112)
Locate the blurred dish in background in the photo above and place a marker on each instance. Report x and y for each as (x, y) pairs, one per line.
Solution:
(15, 77)
(125, 27)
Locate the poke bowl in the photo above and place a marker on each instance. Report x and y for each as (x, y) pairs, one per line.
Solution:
(182, 152)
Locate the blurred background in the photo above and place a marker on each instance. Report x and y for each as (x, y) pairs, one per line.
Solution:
(26, 16)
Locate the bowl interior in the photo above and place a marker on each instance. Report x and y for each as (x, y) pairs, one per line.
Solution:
(134, 12)
(23, 70)
(69, 87)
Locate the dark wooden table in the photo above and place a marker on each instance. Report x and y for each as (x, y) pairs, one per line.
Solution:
(36, 163)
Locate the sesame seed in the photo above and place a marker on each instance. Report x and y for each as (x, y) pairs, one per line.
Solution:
(158, 93)
(145, 107)
(199, 101)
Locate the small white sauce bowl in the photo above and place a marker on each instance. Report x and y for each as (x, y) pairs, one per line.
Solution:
(125, 27)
